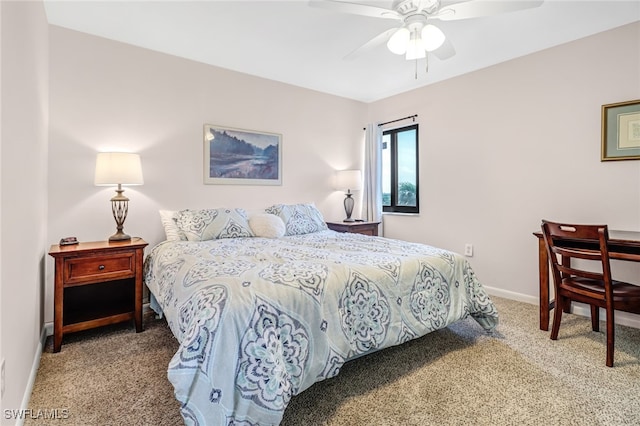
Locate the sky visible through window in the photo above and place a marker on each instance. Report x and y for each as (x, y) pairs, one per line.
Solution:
(407, 156)
(406, 159)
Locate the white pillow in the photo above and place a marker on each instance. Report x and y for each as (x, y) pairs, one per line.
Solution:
(171, 230)
(266, 225)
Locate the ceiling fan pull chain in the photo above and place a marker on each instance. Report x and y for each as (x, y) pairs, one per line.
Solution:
(426, 64)
(415, 69)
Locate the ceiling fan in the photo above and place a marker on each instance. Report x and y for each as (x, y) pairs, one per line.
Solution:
(416, 36)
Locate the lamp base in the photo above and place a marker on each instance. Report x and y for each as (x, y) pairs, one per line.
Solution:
(119, 236)
(119, 208)
(348, 206)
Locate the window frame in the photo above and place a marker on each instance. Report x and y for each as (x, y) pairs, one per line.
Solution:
(393, 142)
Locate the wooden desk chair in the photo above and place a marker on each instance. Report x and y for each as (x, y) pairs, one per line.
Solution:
(571, 283)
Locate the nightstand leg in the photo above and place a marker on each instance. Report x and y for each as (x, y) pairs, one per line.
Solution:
(57, 342)
(58, 306)
(138, 296)
(137, 314)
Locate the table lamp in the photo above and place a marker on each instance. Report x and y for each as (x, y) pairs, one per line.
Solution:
(118, 168)
(349, 180)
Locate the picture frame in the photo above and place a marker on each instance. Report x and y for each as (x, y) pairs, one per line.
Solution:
(621, 131)
(241, 157)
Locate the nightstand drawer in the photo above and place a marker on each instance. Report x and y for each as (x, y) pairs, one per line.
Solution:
(99, 268)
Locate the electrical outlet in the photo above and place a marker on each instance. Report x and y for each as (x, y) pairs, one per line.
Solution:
(2, 379)
(468, 250)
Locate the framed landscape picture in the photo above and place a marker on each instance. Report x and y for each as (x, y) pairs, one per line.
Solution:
(241, 157)
(621, 131)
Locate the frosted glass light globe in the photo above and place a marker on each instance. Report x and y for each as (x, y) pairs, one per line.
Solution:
(432, 37)
(399, 41)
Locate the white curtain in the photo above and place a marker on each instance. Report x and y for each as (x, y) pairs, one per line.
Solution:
(372, 188)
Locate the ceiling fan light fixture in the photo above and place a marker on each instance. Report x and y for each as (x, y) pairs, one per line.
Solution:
(399, 41)
(432, 37)
(415, 47)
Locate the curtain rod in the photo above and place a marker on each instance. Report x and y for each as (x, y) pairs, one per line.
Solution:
(400, 119)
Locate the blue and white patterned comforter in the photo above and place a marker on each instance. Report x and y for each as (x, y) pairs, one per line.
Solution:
(260, 320)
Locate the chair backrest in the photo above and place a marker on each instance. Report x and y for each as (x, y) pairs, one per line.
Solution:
(571, 241)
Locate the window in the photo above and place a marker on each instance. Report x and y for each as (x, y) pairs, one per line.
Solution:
(400, 170)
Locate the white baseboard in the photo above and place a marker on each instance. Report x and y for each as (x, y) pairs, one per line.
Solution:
(511, 295)
(32, 376)
(623, 318)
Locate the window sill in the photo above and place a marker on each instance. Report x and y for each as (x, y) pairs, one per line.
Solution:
(399, 214)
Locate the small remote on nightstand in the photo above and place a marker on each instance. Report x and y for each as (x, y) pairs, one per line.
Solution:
(67, 241)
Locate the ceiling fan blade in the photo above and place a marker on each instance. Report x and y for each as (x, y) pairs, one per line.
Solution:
(371, 44)
(478, 8)
(356, 9)
(445, 51)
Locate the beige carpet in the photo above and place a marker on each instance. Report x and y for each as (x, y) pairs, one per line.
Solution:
(456, 376)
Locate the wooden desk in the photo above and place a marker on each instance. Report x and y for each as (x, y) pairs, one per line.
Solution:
(623, 245)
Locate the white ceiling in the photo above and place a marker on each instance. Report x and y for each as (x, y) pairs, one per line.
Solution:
(290, 41)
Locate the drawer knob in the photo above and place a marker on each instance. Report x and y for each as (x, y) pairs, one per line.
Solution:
(101, 267)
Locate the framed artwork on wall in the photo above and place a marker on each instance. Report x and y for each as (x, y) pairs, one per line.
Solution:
(621, 131)
(241, 157)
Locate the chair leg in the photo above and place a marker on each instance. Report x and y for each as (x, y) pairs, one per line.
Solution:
(595, 318)
(610, 337)
(557, 316)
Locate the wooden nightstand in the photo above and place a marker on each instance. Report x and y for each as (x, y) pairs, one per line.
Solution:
(365, 228)
(96, 283)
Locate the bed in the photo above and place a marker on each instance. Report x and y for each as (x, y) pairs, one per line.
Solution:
(264, 308)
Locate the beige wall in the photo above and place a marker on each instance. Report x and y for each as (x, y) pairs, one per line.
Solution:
(506, 146)
(24, 34)
(108, 95)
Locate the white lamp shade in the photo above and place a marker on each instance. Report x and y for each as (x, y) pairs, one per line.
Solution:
(113, 168)
(398, 41)
(349, 179)
(432, 37)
